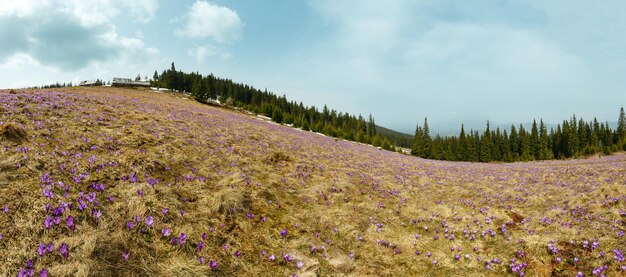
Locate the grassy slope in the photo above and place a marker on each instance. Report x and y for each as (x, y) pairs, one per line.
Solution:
(227, 171)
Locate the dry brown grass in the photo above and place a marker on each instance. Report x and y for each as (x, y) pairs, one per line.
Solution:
(220, 167)
(13, 132)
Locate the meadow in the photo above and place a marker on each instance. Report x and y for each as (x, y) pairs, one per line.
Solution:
(125, 182)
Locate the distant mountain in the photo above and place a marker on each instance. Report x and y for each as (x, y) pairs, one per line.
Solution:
(397, 138)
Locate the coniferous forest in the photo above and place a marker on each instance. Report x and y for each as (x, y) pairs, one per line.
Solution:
(571, 138)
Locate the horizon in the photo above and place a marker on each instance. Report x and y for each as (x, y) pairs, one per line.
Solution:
(507, 63)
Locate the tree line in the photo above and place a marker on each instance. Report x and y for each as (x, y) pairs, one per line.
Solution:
(212, 89)
(571, 138)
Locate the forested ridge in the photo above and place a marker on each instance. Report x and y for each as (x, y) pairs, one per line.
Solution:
(572, 138)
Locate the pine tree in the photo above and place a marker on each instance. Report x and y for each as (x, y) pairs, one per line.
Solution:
(535, 146)
(621, 126)
(514, 144)
(544, 141)
(198, 91)
(417, 142)
(486, 145)
(462, 150)
(426, 140)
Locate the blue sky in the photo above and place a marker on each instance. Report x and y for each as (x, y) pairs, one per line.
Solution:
(452, 61)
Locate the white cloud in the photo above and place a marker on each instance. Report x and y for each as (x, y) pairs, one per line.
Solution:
(202, 53)
(67, 34)
(207, 20)
(144, 11)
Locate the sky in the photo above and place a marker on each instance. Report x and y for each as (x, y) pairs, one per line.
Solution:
(455, 62)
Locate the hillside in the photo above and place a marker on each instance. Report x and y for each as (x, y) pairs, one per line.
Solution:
(397, 138)
(123, 182)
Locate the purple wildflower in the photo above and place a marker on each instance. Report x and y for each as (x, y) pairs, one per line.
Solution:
(63, 250)
(149, 221)
(41, 250)
(200, 246)
(213, 264)
(125, 256)
(69, 221)
(166, 232)
(47, 222)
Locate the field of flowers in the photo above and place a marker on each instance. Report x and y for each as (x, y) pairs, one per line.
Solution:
(122, 182)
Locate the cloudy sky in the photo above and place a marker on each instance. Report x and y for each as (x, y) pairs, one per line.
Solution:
(452, 61)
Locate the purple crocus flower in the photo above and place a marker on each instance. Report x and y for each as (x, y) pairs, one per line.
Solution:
(130, 225)
(237, 253)
(213, 264)
(97, 214)
(166, 232)
(69, 221)
(149, 221)
(299, 264)
(182, 238)
(43, 272)
(63, 250)
(125, 256)
(283, 233)
(41, 250)
(619, 256)
(47, 222)
(201, 260)
(50, 247)
(200, 246)
(272, 257)
(164, 211)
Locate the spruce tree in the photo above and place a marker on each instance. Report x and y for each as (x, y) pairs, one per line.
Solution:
(621, 126)
(535, 146)
(417, 142)
(463, 148)
(198, 91)
(514, 144)
(426, 140)
(486, 145)
(544, 141)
